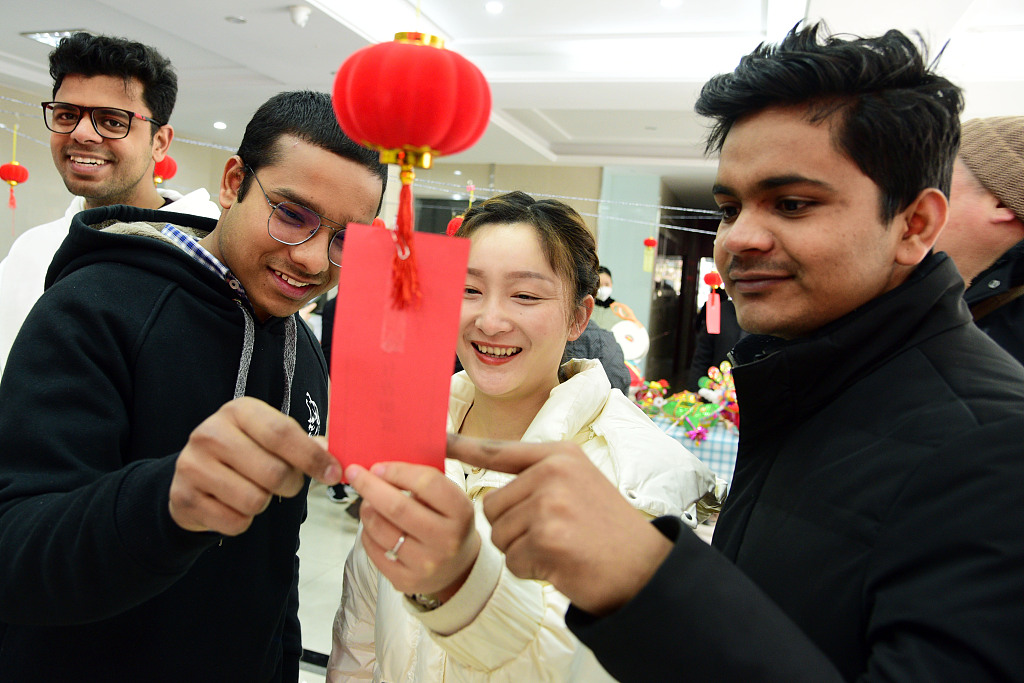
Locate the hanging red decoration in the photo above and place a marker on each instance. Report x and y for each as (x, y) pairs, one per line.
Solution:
(649, 244)
(453, 226)
(164, 169)
(13, 173)
(713, 311)
(412, 100)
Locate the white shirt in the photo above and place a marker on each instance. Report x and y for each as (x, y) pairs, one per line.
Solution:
(23, 271)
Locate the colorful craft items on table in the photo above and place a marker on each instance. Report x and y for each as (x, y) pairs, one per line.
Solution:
(706, 422)
(651, 396)
(411, 100)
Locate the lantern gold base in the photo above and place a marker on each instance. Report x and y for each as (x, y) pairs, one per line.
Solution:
(420, 158)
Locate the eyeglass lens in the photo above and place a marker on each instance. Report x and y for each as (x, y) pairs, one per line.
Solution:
(109, 123)
(294, 224)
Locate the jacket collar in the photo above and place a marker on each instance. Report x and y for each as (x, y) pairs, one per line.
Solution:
(779, 382)
(1005, 273)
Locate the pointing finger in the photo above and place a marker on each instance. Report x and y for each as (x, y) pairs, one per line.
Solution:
(504, 456)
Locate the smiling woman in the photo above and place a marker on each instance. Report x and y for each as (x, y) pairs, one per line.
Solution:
(424, 564)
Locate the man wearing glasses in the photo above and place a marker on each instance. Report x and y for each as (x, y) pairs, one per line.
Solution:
(158, 408)
(109, 127)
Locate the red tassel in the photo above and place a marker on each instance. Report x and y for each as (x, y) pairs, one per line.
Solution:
(713, 313)
(405, 290)
(12, 202)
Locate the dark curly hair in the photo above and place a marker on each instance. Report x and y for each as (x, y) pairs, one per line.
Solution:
(568, 244)
(895, 118)
(87, 55)
(309, 116)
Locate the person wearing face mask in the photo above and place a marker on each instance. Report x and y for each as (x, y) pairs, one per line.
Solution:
(607, 311)
(426, 594)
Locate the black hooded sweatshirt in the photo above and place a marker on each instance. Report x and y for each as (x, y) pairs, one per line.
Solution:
(130, 348)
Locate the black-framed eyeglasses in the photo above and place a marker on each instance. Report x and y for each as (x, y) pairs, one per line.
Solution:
(108, 122)
(292, 224)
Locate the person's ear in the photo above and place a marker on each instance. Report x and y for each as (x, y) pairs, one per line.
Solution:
(919, 225)
(580, 318)
(231, 180)
(162, 142)
(1002, 213)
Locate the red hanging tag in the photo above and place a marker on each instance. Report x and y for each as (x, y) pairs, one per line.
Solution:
(391, 367)
(713, 312)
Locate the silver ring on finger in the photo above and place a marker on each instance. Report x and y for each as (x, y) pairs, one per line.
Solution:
(392, 554)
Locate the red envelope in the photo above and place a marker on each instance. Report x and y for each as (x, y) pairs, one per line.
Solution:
(391, 368)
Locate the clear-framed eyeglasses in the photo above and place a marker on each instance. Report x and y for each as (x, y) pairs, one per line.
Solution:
(292, 224)
(108, 122)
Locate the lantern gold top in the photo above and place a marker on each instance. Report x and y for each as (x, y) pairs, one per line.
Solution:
(420, 39)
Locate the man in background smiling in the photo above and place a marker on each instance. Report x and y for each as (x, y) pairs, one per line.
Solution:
(108, 128)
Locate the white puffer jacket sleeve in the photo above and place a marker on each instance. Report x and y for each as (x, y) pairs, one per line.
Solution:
(353, 652)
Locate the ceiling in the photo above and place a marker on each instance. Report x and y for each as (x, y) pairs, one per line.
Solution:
(574, 82)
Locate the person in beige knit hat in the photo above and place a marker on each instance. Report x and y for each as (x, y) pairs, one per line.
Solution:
(985, 231)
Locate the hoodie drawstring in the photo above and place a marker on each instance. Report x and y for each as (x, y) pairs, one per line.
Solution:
(290, 341)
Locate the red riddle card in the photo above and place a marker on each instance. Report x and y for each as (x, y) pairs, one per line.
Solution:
(391, 368)
(713, 312)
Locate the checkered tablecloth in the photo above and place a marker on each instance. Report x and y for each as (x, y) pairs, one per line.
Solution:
(717, 451)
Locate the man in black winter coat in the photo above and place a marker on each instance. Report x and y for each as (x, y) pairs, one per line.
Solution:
(158, 402)
(873, 530)
(985, 233)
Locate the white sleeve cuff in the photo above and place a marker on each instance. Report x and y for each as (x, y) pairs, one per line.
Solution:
(463, 607)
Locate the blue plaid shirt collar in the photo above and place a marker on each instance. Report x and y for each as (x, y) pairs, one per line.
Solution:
(190, 245)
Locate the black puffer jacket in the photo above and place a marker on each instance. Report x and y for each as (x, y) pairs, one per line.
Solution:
(873, 531)
(1005, 324)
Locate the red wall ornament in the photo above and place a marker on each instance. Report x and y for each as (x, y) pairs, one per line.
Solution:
(13, 173)
(412, 100)
(164, 169)
(649, 244)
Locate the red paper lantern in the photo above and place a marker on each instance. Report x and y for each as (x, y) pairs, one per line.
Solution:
(12, 174)
(453, 226)
(411, 100)
(164, 169)
(649, 244)
(713, 279)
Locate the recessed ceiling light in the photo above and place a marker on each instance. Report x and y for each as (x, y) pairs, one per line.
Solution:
(458, 172)
(232, 19)
(51, 38)
(456, 197)
(220, 125)
(494, 7)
